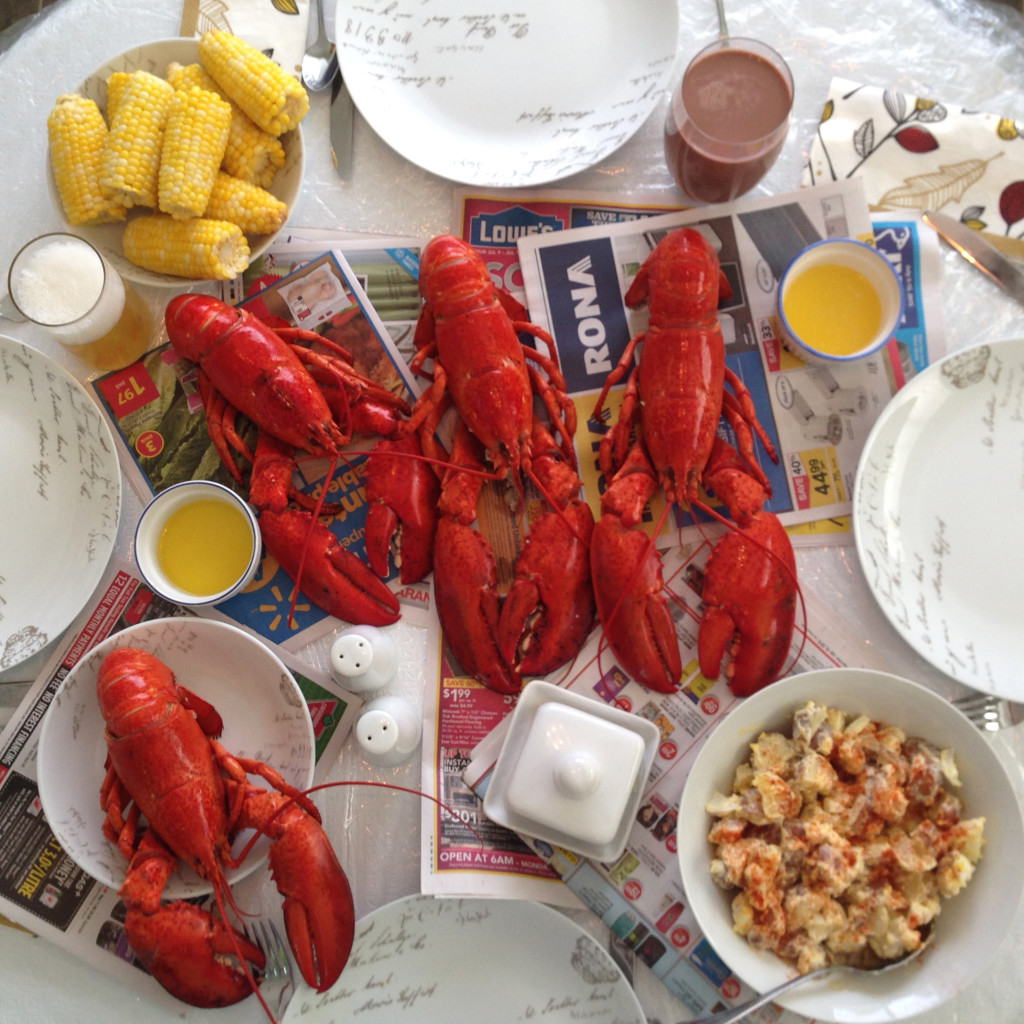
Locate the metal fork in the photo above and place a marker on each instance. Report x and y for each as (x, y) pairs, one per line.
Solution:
(277, 986)
(990, 713)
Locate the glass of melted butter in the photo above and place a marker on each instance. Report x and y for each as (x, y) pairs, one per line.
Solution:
(197, 543)
(839, 300)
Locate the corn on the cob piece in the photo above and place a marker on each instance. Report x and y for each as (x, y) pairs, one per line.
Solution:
(194, 142)
(131, 163)
(117, 82)
(199, 247)
(252, 208)
(252, 154)
(274, 99)
(77, 138)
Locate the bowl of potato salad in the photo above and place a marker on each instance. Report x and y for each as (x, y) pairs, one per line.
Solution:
(836, 817)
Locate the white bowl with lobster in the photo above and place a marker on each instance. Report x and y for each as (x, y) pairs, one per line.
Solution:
(265, 717)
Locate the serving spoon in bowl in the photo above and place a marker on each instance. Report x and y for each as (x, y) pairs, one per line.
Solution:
(737, 1013)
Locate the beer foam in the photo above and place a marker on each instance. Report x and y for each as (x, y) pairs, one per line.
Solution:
(58, 281)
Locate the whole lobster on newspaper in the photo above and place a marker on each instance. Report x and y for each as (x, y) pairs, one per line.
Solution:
(165, 764)
(499, 387)
(305, 396)
(673, 400)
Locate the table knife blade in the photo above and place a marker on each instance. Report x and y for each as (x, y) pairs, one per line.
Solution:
(342, 114)
(978, 252)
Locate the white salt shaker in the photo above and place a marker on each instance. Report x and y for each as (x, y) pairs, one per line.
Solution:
(364, 658)
(388, 730)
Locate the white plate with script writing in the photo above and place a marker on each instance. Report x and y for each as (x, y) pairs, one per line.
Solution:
(936, 513)
(511, 95)
(446, 959)
(59, 504)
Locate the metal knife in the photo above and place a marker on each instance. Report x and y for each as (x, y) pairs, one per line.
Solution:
(978, 252)
(341, 126)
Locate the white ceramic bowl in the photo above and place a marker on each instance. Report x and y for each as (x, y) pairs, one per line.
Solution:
(265, 717)
(970, 926)
(857, 256)
(154, 57)
(153, 520)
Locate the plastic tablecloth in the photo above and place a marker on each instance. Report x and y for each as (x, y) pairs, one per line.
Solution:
(969, 53)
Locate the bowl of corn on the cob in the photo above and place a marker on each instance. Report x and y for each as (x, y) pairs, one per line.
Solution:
(179, 159)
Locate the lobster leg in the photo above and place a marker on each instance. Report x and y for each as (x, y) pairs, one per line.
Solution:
(401, 495)
(332, 578)
(191, 953)
(628, 584)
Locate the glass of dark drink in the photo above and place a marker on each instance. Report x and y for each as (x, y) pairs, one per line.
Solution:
(728, 119)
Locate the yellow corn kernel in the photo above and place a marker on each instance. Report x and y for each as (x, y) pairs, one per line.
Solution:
(252, 208)
(252, 154)
(77, 138)
(198, 247)
(194, 142)
(131, 162)
(274, 99)
(117, 82)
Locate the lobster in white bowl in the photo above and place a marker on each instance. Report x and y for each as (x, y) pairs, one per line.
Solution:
(672, 403)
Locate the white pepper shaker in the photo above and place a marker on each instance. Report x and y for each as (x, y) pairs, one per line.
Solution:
(364, 658)
(388, 730)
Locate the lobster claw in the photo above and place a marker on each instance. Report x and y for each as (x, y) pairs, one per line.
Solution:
(465, 585)
(749, 596)
(319, 913)
(630, 601)
(332, 578)
(192, 954)
(401, 495)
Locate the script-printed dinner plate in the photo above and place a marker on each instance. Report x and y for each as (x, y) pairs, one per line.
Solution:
(936, 511)
(438, 960)
(511, 95)
(265, 717)
(59, 504)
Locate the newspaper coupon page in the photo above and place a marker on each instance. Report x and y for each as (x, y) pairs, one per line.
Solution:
(41, 888)
(817, 418)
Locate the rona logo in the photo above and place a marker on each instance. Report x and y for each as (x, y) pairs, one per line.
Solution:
(587, 315)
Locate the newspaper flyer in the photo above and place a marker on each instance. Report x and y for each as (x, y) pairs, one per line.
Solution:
(41, 888)
(817, 418)
(157, 414)
(494, 222)
(640, 896)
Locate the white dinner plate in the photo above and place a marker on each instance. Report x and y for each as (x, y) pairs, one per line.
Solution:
(265, 717)
(506, 96)
(936, 515)
(59, 504)
(436, 961)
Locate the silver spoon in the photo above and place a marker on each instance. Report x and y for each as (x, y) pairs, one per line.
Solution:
(320, 62)
(723, 29)
(737, 1013)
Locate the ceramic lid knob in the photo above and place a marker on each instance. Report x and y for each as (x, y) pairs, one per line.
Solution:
(388, 730)
(364, 658)
(577, 774)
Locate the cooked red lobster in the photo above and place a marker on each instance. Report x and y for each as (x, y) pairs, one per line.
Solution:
(165, 765)
(468, 328)
(304, 395)
(673, 400)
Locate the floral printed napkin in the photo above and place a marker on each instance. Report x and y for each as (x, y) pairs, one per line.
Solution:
(916, 153)
(277, 27)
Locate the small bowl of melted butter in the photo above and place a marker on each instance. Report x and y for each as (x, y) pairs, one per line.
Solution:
(198, 543)
(839, 300)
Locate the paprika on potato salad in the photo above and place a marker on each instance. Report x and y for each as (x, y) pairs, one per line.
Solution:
(841, 840)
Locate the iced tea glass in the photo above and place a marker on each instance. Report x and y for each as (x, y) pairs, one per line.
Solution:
(63, 285)
(728, 119)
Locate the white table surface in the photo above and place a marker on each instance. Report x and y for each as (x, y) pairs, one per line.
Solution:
(958, 51)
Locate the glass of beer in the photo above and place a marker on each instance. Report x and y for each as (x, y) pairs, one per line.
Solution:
(63, 285)
(728, 119)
